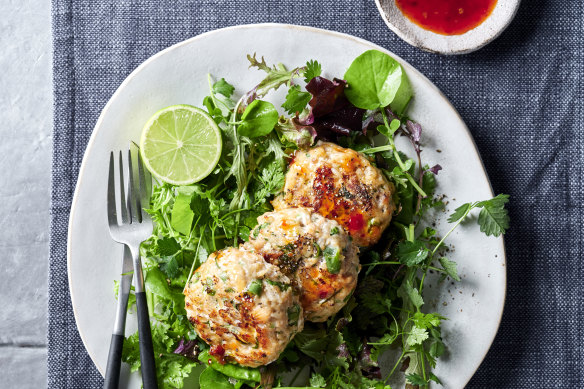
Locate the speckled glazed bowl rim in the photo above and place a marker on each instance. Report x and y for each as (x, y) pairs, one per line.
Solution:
(486, 32)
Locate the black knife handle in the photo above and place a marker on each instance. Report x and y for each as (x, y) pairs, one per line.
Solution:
(114, 360)
(146, 349)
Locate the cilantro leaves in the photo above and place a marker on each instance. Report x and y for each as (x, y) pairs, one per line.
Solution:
(312, 69)
(223, 87)
(296, 100)
(493, 218)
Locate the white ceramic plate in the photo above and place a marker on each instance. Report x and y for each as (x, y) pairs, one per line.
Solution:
(177, 75)
(472, 40)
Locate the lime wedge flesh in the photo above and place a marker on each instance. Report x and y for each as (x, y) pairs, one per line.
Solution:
(181, 144)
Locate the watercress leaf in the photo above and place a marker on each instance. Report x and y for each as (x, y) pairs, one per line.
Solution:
(296, 100)
(416, 336)
(412, 253)
(384, 130)
(377, 80)
(459, 212)
(393, 126)
(408, 164)
(258, 119)
(182, 215)
(493, 218)
(450, 268)
(311, 70)
(223, 87)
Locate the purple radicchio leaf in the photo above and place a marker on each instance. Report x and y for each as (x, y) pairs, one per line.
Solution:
(435, 169)
(368, 366)
(342, 121)
(331, 114)
(330, 111)
(187, 348)
(325, 95)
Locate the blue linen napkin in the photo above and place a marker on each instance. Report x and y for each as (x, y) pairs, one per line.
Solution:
(521, 97)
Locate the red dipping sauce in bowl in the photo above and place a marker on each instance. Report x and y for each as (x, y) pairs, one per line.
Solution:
(447, 17)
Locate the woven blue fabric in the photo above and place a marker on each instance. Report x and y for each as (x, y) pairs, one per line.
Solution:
(521, 97)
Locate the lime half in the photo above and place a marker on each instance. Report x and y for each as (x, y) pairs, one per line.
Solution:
(181, 144)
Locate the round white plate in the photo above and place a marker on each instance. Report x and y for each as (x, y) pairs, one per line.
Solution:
(178, 75)
(472, 40)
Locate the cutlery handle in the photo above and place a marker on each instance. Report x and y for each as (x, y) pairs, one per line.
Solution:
(146, 349)
(114, 358)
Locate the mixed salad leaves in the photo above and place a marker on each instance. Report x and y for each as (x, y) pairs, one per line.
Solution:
(365, 111)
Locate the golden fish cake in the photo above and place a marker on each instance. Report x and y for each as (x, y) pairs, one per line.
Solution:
(340, 184)
(243, 307)
(315, 252)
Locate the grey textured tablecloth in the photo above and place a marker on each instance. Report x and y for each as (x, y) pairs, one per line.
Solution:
(521, 97)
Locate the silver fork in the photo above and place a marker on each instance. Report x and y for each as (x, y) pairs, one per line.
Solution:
(133, 227)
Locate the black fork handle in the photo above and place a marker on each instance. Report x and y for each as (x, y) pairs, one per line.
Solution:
(146, 349)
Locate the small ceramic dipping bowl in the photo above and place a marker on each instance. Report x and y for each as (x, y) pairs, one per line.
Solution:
(500, 17)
